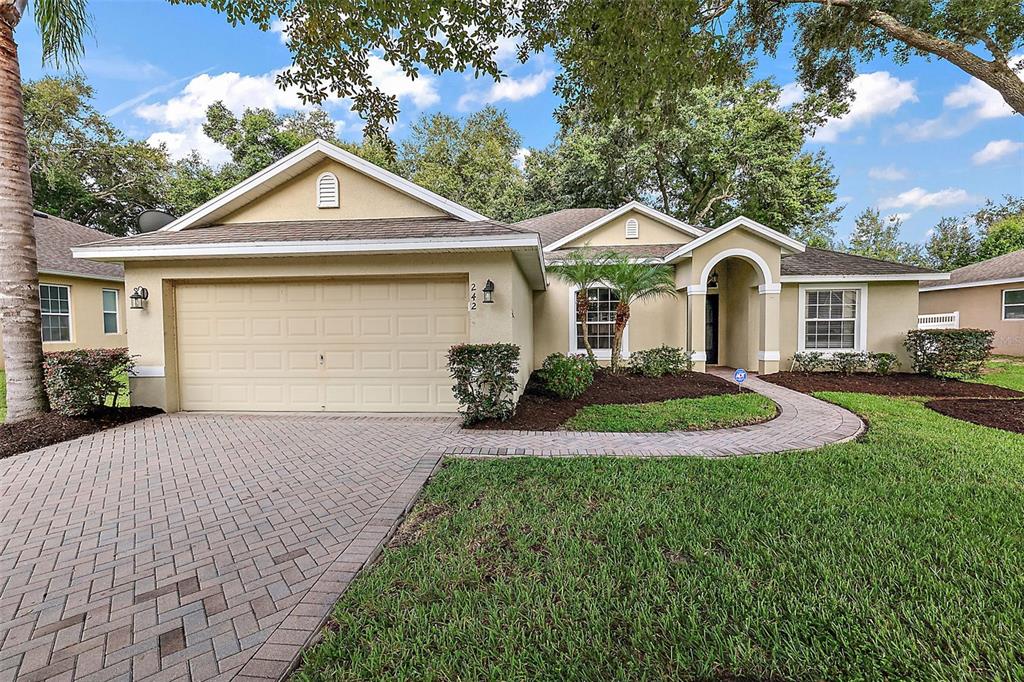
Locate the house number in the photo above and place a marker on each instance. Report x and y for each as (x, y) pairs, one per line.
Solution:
(472, 295)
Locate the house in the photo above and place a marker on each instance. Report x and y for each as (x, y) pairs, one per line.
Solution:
(82, 302)
(985, 295)
(326, 283)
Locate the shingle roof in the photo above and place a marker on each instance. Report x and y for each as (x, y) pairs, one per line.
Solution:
(553, 226)
(54, 239)
(822, 262)
(1008, 266)
(635, 250)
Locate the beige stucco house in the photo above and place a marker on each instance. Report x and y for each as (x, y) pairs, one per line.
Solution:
(82, 301)
(327, 283)
(985, 295)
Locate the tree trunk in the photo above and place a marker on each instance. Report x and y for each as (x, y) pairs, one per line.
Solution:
(582, 308)
(19, 275)
(621, 319)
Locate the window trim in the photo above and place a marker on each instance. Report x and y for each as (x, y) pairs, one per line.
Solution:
(602, 353)
(116, 311)
(1004, 305)
(70, 314)
(334, 202)
(860, 329)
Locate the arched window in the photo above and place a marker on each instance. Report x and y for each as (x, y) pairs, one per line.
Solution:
(327, 191)
(632, 229)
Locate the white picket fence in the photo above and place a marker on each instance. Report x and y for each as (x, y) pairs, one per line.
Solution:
(939, 321)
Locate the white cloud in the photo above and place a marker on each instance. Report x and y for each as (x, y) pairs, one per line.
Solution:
(116, 67)
(521, 155)
(280, 27)
(919, 198)
(791, 94)
(392, 80)
(875, 94)
(180, 143)
(996, 150)
(983, 101)
(510, 89)
(889, 173)
(900, 216)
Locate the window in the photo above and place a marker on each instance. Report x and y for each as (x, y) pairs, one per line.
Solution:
(600, 322)
(110, 325)
(832, 319)
(1013, 304)
(632, 229)
(327, 191)
(55, 304)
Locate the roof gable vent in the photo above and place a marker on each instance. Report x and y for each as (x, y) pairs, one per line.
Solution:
(632, 229)
(327, 191)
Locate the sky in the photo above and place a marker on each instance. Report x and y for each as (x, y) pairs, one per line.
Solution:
(921, 140)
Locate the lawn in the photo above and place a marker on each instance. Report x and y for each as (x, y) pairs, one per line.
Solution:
(715, 411)
(1005, 371)
(895, 557)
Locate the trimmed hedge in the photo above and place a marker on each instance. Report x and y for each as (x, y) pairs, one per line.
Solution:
(485, 379)
(79, 381)
(657, 362)
(568, 376)
(883, 363)
(848, 363)
(949, 351)
(809, 361)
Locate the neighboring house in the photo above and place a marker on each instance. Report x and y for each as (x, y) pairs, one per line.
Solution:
(985, 295)
(82, 302)
(326, 283)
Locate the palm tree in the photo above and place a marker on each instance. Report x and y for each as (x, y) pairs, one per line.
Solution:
(62, 24)
(583, 272)
(634, 281)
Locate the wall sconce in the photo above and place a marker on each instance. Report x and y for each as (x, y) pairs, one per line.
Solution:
(139, 298)
(713, 280)
(489, 292)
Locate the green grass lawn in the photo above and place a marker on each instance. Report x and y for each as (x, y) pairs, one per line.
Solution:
(1005, 371)
(716, 411)
(900, 556)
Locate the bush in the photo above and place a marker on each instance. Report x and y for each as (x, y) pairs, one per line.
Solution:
(953, 351)
(79, 381)
(808, 361)
(485, 379)
(657, 362)
(883, 363)
(567, 375)
(847, 363)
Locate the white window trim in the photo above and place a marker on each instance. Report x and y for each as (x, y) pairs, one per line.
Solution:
(71, 319)
(602, 353)
(860, 330)
(1004, 304)
(116, 311)
(328, 202)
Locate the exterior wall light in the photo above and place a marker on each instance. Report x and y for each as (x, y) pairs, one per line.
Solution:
(713, 280)
(139, 298)
(489, 292)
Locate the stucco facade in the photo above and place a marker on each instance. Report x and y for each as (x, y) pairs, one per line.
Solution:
(980, 307)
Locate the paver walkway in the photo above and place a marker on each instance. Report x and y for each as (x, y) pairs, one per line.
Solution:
(202, 546)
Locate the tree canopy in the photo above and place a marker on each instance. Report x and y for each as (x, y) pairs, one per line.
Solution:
(878, 237)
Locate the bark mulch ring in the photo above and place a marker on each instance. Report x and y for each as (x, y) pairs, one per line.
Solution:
(542, 410)
(900, 384)
(55, 428)
(1007, 415)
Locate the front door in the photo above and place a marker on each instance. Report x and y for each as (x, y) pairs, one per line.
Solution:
(711, 328)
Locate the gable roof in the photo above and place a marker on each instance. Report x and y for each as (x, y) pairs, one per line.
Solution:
(643, 209)
(822, 264)
(1005, 269)
(787, 243)
(54, 239)
(653, 252)
(553, 226)
(300, 160)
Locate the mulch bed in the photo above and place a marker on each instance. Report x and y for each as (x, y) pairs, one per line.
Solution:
(900, 384)
(542, 410)
(1007, 415)
(55, 428)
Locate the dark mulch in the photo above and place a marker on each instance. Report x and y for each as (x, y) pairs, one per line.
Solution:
(55, 428)
(900, 384)
(1007, 415)
(541, 410)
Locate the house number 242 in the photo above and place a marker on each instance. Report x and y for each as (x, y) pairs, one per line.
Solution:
(472, 295)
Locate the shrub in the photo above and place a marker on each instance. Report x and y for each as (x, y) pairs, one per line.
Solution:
(485, 379)
(657, 362)
(79, 381)
(953, 351)
(847, 363)
(567, 375)
(808, 362)
(883, 363)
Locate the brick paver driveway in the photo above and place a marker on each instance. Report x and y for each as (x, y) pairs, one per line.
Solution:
(201, 546)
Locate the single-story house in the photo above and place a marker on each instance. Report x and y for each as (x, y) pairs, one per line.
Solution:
(326, 283)
(82, 301)
(985, 295)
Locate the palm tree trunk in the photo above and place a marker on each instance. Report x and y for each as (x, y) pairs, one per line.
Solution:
(621, 319)
(19, 275)
(582, 309)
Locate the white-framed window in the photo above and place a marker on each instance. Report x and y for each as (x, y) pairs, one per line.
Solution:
(632, 229)
(1013, 304)
(600, 323)
(833, 319)
(327, 191)
(55, 305)
(111, 323)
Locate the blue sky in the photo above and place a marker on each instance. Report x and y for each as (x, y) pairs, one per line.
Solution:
(922, 140)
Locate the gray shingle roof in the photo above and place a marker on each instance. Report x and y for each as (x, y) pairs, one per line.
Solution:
(553, 226)
(1008, 266)
(54, 239)
(822, 262)
(635, 250)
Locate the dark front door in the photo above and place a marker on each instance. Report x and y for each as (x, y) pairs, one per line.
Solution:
(711, 328)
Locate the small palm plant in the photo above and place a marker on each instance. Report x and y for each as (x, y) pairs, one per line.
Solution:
(582, 271)
(633, 281)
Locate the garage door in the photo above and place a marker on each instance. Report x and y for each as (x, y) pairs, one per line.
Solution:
(374, 345)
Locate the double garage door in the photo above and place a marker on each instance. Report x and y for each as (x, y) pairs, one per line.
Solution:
(374, 345)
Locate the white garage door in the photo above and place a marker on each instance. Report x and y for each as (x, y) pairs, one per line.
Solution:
(375, 345)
